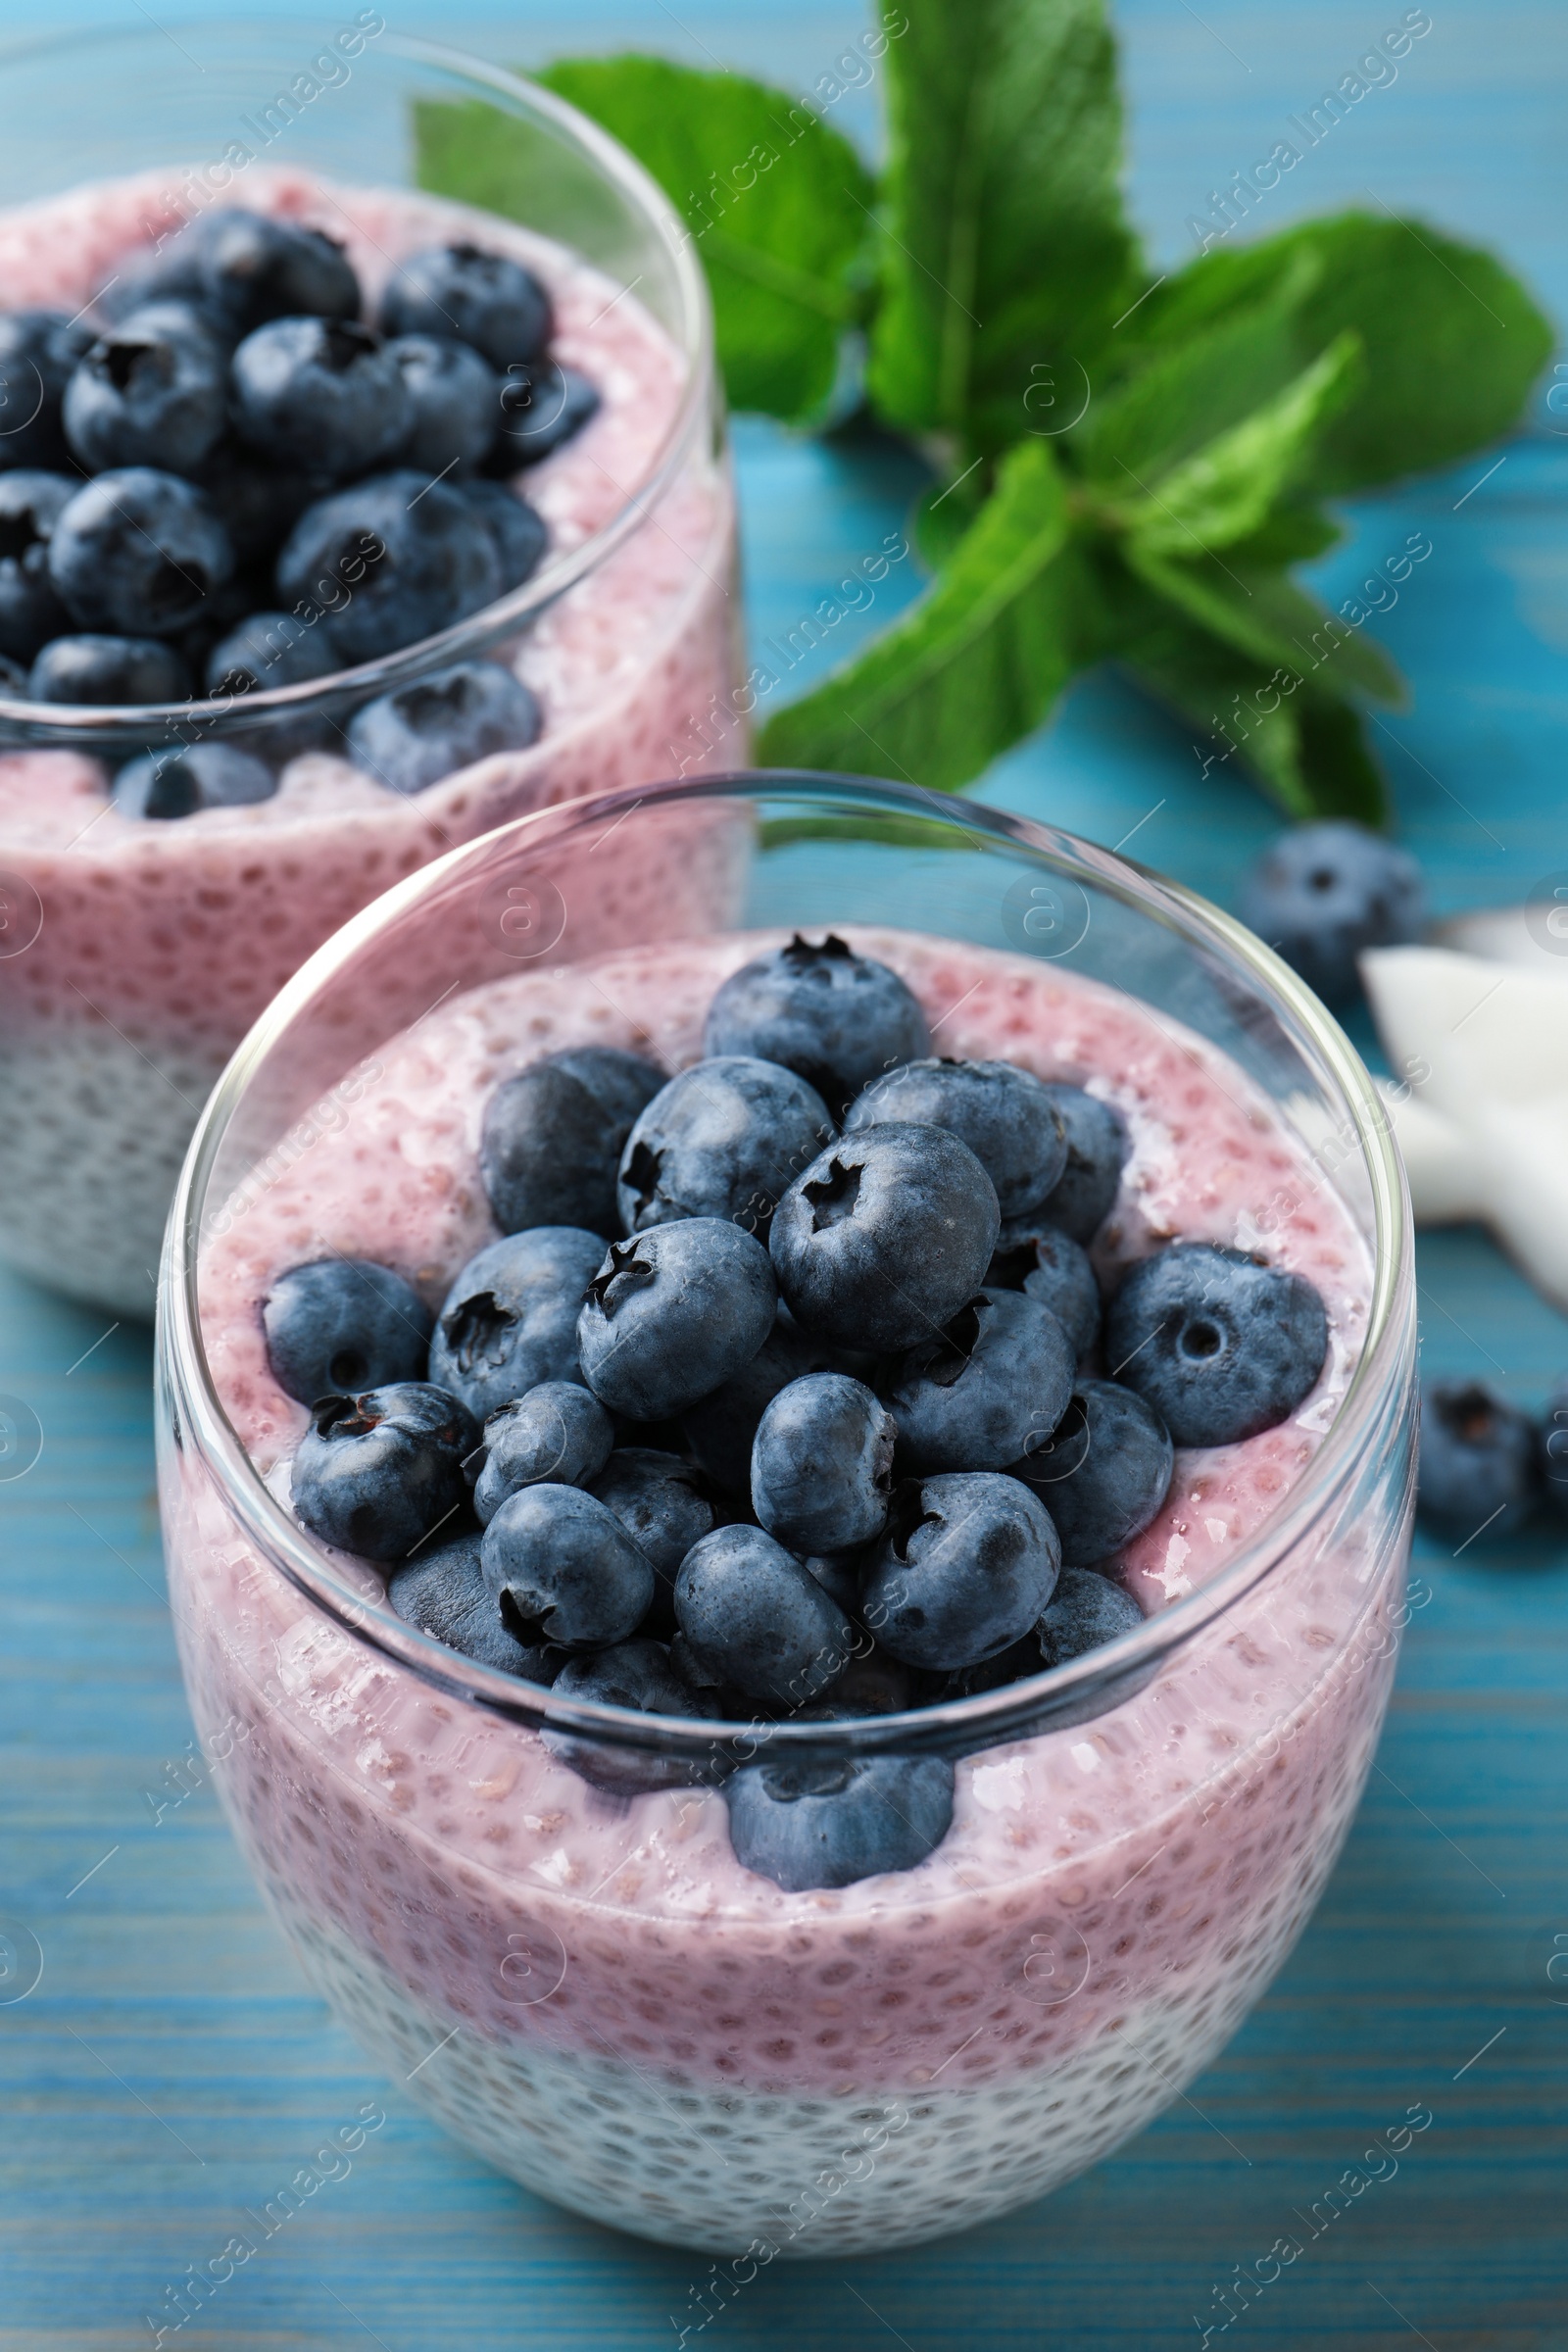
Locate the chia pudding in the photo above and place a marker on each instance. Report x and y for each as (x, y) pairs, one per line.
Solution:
(133, 953)
(577, 1974)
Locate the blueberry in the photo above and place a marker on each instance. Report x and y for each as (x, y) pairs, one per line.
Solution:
(1322, 892)
(836, 1018)
(672, 1313)
(755, 1615)
(723, 1139)
(377, 1473)
(659, 1502)
(1014, 1664)
(481, 298)
(565, 1569)
(267, 649)
(885, 1236)
(443, 1592)
(250, 268)
(509, 1320)
(13, 679)
(321, 393)
(822, 1464)
(552, 1137)
(968, 1565)
(239, 596)
(177, 314)
(1098, 1145)
(839, 1575)
(181, 782)
(517, 531)
(169, 272)
(720, 1429)
(452, 396)
(872, 1684)
(393, 560)
(257, 502)
(806, 1825)
(715, 1697)
(541, 407)
(1479, 1464)
(101, 670)
(1220, 1346)
(631, 1674)
(974, 1394)
(339, 1325)
(556, 1434)
(154, 391)
(30, 612)
(1003, 1113)
(419, 733)
(1105, 1474)
(1056, 1271)
(637, 1675)
(1084, 1611)
(140, 553)
(38, 351)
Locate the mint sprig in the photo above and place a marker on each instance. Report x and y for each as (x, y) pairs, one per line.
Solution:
(779, 203)
(1126, 467)
(977, 662)
(1005, 244)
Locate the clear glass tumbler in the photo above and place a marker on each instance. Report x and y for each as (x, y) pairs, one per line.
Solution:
(135, 954)
(528, 1908)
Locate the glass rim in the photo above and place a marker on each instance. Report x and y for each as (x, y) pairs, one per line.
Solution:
(1053, 1699)
(40, 726)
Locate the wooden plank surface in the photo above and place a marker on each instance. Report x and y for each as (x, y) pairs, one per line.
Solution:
(171, 2069)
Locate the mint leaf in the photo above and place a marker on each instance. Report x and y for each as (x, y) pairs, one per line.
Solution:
(1175, 395)
(1006, 249)
(971, 668)
(878, 825)
(1453, 341)
(1226, 490)
(1276, 624)
(778, 205)
(1291, 534)
(941, 515)
(1305, 749)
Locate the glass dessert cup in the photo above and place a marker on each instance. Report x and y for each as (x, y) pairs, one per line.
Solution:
(134, 954)
(568, 1967)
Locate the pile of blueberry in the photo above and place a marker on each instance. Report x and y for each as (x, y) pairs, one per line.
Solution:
(1485, 1466)
(824, 1431)
(231, 482)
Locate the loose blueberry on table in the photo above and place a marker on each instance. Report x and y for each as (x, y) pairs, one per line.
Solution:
(860, 1451)
(1322, 892)
(1483, 1466)
(229, 443)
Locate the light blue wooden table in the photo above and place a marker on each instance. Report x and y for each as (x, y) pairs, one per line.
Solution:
(169, 2067)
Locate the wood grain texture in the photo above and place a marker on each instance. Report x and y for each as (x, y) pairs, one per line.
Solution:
(171, 2069)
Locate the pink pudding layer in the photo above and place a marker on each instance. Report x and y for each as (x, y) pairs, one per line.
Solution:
(641, 2028)
(153, 946)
